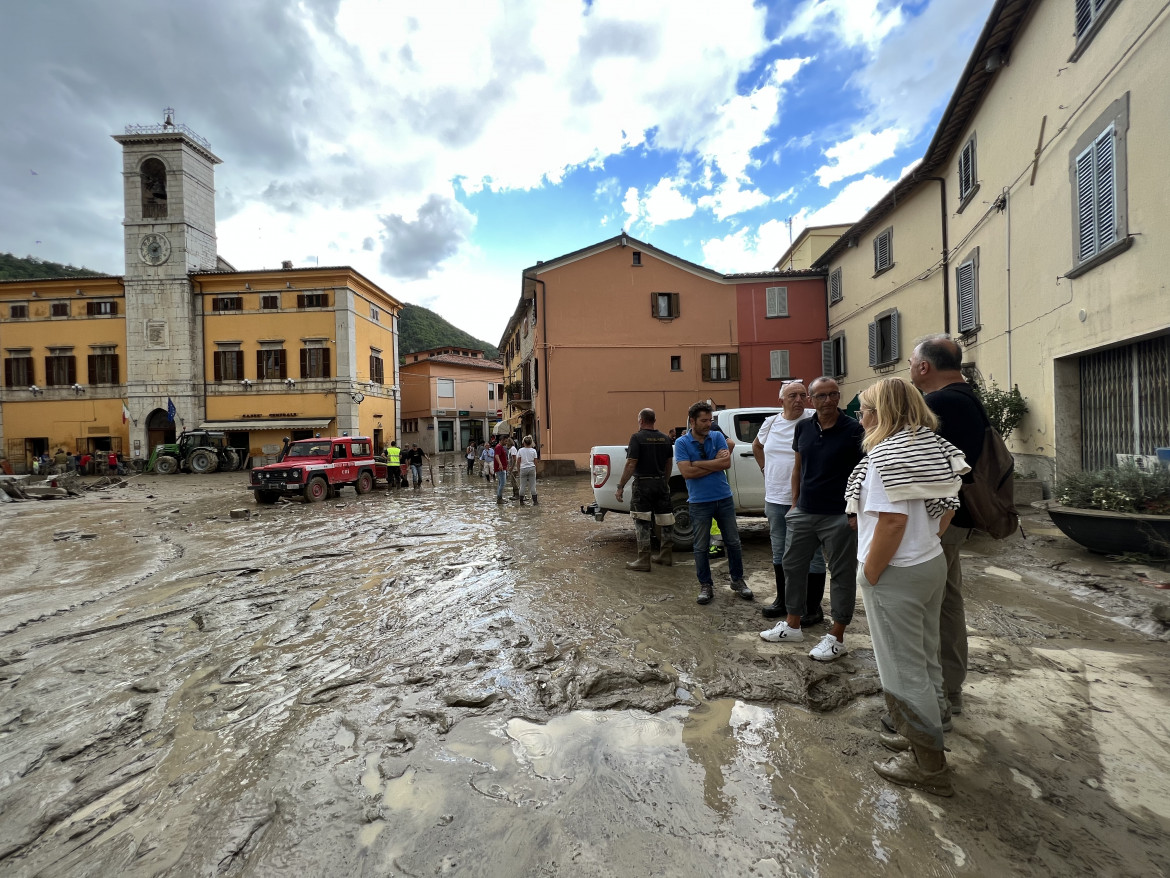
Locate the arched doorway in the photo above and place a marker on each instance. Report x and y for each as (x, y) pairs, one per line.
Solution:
(159, 430)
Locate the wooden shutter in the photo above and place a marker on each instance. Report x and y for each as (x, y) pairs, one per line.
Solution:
(8, 371)
(674, 305)
(882, 250)
(217, 369)
(777, 301)
(895, 333)
(92, 368)
(304, 362)
(1086, 237)
(733, 367)
(966, 169)
(705, 365)
(1084, 15)
(873, 343)
(835, 286)
(827, 359)
(71, 370)
(1105, 155)
(654, 304)
(300, 300)
(280, 358)
(325, 370)
(965, 292)
(260, 365)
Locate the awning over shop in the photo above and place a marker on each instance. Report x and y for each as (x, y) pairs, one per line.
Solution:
(265, 424)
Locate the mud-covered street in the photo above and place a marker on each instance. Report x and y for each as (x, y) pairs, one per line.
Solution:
(423, 683)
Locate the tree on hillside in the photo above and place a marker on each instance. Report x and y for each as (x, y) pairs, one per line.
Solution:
(420, 329)
(12, 267)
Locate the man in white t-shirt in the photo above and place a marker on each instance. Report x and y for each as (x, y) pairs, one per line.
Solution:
(772, 448)
(526, 467)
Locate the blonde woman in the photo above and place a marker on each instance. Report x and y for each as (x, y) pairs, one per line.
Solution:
(904, 494)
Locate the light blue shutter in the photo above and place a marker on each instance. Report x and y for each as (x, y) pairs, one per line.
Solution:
(895, 333)
(965, 284)
(827, 359)
(835, 286)
(966, 169)
(1085, 211)
(1105, 155)
(873, 343)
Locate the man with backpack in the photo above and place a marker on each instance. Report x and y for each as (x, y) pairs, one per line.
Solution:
(936, 370)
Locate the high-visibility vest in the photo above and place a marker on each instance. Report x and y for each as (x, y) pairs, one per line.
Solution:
(392, 455)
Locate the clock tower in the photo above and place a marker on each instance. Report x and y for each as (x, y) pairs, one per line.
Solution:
(169, 230)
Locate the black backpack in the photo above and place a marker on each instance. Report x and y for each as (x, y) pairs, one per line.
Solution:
(989, 498)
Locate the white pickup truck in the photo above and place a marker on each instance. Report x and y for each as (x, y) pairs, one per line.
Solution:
(606, 463)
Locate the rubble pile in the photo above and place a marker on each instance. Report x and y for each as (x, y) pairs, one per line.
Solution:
(54, 487)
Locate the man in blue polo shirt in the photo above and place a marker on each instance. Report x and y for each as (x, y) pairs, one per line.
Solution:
(703, 457)
(827, 448)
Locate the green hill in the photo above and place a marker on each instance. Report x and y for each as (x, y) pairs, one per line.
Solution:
(420, 329)
(12, 267)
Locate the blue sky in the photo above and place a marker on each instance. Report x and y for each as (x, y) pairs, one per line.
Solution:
(442, 148)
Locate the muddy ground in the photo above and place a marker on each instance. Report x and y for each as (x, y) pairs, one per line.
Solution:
(423, 683)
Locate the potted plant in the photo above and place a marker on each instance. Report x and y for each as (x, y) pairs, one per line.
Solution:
(1005, 409)
(1115, 511)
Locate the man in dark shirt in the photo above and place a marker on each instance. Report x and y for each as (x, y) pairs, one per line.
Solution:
(936, 370)
(827, 448)
(415, 457)
(648, 462)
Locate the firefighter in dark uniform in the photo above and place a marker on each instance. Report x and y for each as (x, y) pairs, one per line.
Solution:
(648, 461)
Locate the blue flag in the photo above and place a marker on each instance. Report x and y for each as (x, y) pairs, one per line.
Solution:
(171, 410)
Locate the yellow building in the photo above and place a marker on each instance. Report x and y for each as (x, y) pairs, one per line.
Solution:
(808, 247)
(451, 396)
(184, 341)
(1032, 231)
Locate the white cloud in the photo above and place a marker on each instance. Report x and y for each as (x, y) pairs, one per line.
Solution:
(745, 250)
(851, 22)
(859, 154)
(848, 206)
(664, 202)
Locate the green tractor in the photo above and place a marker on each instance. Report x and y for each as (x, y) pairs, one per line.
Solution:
(196, 451)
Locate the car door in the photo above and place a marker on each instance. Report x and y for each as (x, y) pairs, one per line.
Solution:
(342, 469)
(746, 478)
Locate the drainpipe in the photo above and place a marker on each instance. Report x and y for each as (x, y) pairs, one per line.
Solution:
(942, 194)
(1007, 208)
(544, 335)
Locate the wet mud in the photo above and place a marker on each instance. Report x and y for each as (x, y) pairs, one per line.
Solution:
(423, 683)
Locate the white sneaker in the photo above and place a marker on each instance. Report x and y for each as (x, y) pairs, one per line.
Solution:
(828, 650)
(782, 634)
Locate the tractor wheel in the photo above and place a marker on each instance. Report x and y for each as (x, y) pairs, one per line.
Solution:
(166, 465)
(316, 490)
(202, 461)
(230, 462)
(267, 497)
(365, 482)
(684, 531)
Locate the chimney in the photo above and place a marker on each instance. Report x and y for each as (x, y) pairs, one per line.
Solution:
(286, 265)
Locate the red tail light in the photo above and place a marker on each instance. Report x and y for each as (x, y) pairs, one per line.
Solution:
(599, 465)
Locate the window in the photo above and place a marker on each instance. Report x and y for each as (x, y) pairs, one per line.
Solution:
(227, 303)
(60, 367)
(377, 367)
(59, 309)
(676, 364)
(535, 375)
(835, 286)
(499, 391)
(315, 362)
(720, 367)
(664, 306)
(637, 255)
(777, 301)
(270, 303)
(18, 369)
(492, 392)
(833, 356)
(103, 364)
(17, 312)
(779, 364)
(154, 189)
(967, 183)
(271, 364)
(883, 339)
(1100, 202)
(312, 300)
(101, 309)
(1089, 16)
(445, 387)
(375, 314)
(229, 364)
(883, 251)
(967, 293)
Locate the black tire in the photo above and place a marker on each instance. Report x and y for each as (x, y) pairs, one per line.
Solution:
(684, 531)
(230, 462)
(166, 465)
(365, 482)
(202, 461)
(316, 490)
(267, 497)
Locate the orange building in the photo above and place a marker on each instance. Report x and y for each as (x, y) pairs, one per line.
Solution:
(451, 397)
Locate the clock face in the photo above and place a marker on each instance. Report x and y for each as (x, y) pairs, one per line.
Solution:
(155, 249)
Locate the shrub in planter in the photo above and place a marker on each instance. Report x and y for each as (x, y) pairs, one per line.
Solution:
(1126, 489)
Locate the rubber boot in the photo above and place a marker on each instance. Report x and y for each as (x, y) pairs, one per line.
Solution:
(776, 609)
(813, 614)
(644, 532)
(642, 562)
(535, 500)
(665, 555)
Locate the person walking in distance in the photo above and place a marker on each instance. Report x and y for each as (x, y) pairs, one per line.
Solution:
(417, 455)
(393, 465)
(486, 456)
(772, 449)
(828, 447)
(703, 459)
(903, 494)
(936, 369)
(648, 462)
(526, 470)
(500, 467)
(470, 457)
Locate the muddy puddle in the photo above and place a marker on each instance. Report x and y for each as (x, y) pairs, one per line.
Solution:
(423, 683)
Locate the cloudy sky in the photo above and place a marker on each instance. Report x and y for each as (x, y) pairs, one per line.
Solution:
(442, 147)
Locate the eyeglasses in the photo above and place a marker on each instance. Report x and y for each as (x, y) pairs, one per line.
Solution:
(832, 394)
(865, 410)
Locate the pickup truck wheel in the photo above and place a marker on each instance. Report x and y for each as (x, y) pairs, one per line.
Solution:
(267, 497)
(684, 531)
(365, 483)
(316, 490)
